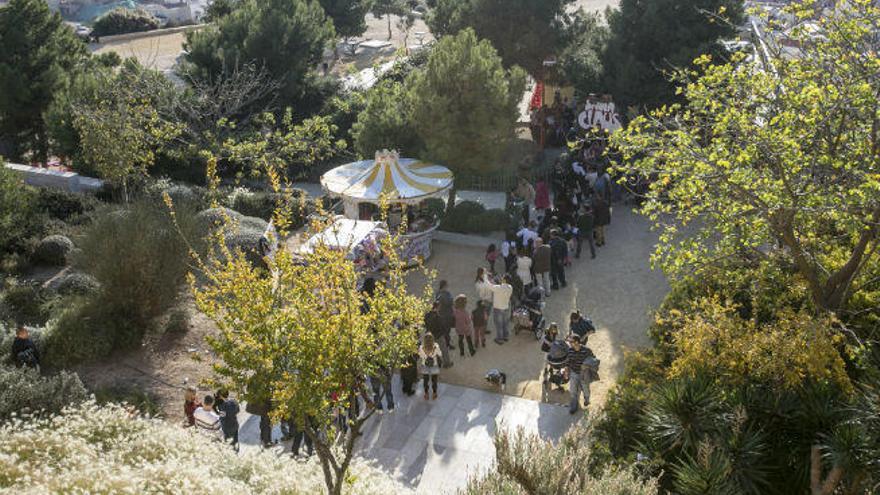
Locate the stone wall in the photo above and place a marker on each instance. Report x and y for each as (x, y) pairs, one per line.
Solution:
(68, 181)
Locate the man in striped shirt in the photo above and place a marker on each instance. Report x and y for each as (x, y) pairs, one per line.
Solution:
(207, 420)
(578, 374)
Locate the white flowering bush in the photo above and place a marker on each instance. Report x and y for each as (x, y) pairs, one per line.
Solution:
(106, 449)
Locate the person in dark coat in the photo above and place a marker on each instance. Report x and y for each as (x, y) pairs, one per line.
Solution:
(444, 297)
(24, 351)
(601, 218)
(261, 408)
(541, 265)
(435, 325)
(228, 410)
(585, 231)
(558, 253)
(409, 374)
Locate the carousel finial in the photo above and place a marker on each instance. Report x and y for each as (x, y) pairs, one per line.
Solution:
(387, 157)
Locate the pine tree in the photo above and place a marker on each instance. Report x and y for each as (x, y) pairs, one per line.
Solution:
(39, 51)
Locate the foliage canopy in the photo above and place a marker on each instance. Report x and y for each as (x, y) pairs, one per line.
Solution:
(284, 37)
(525, 32)
(773, 160)
(39, 52)
(650, 40)
(122, 20)
(465, 104)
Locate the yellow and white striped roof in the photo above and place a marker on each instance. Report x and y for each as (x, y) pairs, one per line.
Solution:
(398, 179)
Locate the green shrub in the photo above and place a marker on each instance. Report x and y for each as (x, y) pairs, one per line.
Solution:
(131, 394)
(82, 332)
(53, 250)
(178, 321)
(489, 221)
(75, 284)
(19, 218)
(619, 427)
(24, 391)
(471, 217)
(25, 303)
(121, 21)
(458, 220)
(263, 204)
(212, 218)
(244, 233)
(139, 256)
(435, 206)
(192, 198)
(63, 205)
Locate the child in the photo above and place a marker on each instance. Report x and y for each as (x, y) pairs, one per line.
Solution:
(464, 326)
(491, 256)
(429, 363)
(190, 404)
(480, 319)
(550, 336)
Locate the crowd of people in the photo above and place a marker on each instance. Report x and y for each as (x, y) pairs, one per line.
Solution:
(554, 124)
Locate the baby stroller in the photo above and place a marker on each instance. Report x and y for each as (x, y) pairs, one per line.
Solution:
(529, 314)
(556, 360)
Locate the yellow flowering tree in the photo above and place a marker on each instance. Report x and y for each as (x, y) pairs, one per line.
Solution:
(122, 131)
(299, 334)
(785, 353)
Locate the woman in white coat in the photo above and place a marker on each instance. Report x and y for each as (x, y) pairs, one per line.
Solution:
(524, 268)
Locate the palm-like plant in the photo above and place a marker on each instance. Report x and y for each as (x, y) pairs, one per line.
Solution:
(682, 413)
(745, 447)
(709, 471)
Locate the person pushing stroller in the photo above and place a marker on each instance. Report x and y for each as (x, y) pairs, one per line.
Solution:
(556, 358)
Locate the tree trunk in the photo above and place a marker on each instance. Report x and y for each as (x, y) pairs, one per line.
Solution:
(325, 456)
(42, 153)
(833, 293)
(389, 26)
(817, 485)
(450, 203)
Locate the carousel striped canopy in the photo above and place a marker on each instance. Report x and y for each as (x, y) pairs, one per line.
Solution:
(398, 179)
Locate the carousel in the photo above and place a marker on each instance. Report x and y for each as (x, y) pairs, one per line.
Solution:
(404, 184)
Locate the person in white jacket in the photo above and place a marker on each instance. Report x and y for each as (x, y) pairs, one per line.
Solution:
(483, 286)
(501, 294)
(524, 269)
(207, 420)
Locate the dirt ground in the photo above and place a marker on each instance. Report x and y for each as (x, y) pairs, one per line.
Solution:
(163, 368)
(617, 290)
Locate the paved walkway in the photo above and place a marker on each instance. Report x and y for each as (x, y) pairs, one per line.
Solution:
(435, 446)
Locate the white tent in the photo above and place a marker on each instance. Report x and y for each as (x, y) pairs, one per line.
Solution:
(346, 234)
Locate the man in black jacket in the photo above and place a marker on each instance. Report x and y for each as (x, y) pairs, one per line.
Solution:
(585, 231)
(436, 325)
(24, 352)
(228, 410)
(558, 253)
